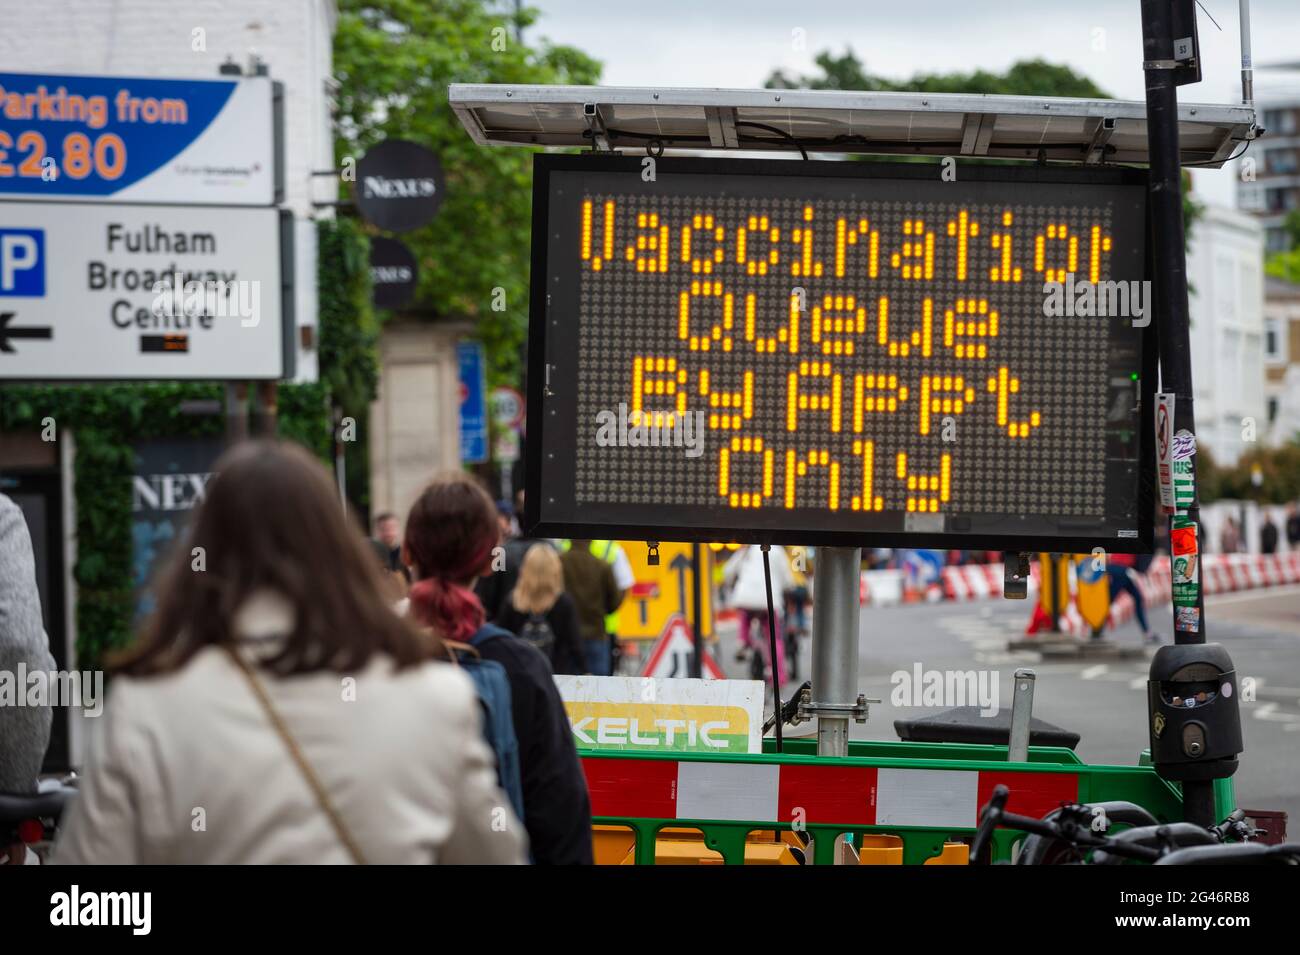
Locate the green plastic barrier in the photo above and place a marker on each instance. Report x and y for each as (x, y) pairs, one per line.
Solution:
(648, 793)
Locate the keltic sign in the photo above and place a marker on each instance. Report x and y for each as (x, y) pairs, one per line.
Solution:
(133, 139)
(816, 351)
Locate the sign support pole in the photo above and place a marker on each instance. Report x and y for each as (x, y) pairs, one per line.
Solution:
(836, 610)
(266, 409)
(697, 610)
(236, 412)
(1173, 321)
(1172, 314)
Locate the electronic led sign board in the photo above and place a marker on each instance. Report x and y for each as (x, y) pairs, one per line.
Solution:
(840, 353)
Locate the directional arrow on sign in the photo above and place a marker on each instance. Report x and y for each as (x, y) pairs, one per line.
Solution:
(7, 333)
(681, 563)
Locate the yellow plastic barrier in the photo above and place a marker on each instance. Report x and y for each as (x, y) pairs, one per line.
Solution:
(613, 845)
(954, 853)
(881, 850)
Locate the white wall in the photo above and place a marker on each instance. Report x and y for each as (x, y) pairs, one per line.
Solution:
(1225, 269)
(156, 38)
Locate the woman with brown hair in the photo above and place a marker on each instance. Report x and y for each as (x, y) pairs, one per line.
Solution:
(539, 612)
(451, 534)
(276, 710)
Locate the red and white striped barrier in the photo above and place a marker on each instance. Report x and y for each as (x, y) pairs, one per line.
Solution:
(979, 581)
(1220, 573)
(841, 795)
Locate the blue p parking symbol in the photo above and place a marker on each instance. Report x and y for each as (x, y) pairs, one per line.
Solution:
(22, 262)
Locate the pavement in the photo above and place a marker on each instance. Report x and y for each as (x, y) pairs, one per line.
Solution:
(1102, 700)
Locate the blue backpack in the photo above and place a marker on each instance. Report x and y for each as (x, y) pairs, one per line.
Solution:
(493, 686)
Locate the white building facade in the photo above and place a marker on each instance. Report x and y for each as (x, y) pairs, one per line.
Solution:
(1225, 272)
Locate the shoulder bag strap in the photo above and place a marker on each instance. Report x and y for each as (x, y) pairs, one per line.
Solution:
(313, 781)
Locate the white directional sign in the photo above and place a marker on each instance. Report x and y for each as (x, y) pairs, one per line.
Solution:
(140, 292)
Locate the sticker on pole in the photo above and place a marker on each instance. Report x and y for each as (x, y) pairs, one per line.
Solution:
(673, 652)
(636, 714)
(1165, 448)
(1185, 583)
(1183, 469)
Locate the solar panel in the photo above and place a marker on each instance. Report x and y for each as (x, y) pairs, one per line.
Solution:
(1054, 129)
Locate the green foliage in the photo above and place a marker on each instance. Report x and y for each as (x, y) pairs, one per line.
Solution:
(1278, 468)
(1291, 225)
(106, 420)
(1284, 265)
(304, 417)
(349, 336)
(394, 60)
(1024, 78)
(348, 325)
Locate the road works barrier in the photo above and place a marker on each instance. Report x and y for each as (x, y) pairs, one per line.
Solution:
(902, 802)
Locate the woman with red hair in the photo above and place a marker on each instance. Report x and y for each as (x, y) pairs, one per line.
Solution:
(451, 537)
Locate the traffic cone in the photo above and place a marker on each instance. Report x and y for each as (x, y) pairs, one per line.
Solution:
(1039, 620)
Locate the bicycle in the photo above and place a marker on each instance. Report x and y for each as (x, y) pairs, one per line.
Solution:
(1070, 835)
(32, 819)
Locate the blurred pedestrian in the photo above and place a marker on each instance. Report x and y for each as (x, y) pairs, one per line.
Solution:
(1230, 536)
(541, 613)
(749, 596)
(450, 533)
(493, 588)
(1268, 535)
(276, 710)
(612, 553)
(1124, 577)
(387, 544)
(590, 581)
(1293, 526)
(24, 730)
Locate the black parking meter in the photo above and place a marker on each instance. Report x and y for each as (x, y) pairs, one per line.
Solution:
(1195, 724)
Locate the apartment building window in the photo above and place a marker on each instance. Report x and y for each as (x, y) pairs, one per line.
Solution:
(1281, 161)
(1272, 339)
(1279, 121)
(1272, 410)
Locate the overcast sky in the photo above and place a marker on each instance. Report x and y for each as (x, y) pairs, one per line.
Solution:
(737, 43)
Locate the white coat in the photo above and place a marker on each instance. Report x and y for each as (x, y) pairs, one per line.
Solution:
(186, 767)
(749, 591)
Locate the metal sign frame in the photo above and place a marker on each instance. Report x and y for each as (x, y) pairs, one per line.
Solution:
(1055, 128)
(539, 373)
